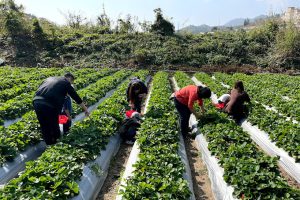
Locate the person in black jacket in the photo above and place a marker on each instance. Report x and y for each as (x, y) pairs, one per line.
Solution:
(136, 91)
(48, 102)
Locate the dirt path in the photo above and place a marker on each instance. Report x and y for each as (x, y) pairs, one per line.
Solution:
(110, 187)
(201, 182)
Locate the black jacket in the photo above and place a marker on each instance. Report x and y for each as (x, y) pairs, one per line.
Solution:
(53, 91)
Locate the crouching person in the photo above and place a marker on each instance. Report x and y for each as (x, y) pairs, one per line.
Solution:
(222, 101)
(130, 126)
(235, 107)
(48, 102)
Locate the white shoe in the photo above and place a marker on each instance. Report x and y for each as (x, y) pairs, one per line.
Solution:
(129, 142)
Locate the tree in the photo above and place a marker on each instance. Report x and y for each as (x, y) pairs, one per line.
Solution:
(145, 26)
(11, 18)
(74, 20)
(38, 34)
(246, 22)
(125, 26)
(104, 22)
(162, 26)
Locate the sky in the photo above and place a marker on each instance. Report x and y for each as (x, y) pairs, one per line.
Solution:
(180, 12)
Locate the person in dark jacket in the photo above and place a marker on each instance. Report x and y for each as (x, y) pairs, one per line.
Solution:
(135, 92)
(184, 100)
(238, 96)
(48, 103)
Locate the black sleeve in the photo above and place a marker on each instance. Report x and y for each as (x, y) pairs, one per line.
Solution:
(73, 94)
(246, 97)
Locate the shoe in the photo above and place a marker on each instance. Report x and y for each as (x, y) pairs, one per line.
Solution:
(130, 142)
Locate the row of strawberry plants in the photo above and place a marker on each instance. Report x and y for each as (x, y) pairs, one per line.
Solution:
(159, 171)
(54, 174)
(26, 75)
(25, 132)
(182, 79)
(14, 72)
(284, 133)
(92, 93)
(251, 173)
(262, 87)
(35, 82)
(207, 80)
(283, 84)
(19, 105)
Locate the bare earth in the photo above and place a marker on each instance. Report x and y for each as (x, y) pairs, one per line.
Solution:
(292, 182)
(201, 182)
(110, 188)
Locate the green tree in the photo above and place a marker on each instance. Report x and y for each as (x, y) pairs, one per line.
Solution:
(38, 34)
(104, 22)
(246, 22)
(162, 26)
(125, 26)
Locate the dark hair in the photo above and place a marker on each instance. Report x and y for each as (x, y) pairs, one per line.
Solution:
(69, 75)
(239, 86)
(204, 92)
(135, 86)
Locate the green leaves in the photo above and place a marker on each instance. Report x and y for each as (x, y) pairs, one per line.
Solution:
(251, 173)
(159, 170)
(54, 174)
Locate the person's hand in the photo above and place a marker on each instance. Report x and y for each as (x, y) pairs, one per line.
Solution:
(131, 105)
(197, 115)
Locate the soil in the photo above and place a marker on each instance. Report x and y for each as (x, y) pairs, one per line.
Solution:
(110, 187)
(292, 182)
(201, 181)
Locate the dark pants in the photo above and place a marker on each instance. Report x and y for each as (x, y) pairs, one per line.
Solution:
(184, 114)
(48, 119)
(66, 126)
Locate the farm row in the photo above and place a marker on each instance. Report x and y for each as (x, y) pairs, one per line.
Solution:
(159, 171)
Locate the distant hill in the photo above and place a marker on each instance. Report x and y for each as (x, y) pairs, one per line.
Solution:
(232, 23)
(240, 21)
(196, 29)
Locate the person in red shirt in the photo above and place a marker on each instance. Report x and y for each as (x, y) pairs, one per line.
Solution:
(184, 100)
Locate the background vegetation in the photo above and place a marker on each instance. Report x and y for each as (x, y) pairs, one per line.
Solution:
(28, 41)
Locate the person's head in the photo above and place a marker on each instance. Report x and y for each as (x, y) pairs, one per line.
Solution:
(203, 92)
(136, 88)
(70, 77)
(239, 86)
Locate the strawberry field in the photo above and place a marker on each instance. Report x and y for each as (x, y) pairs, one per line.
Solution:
(257, 159)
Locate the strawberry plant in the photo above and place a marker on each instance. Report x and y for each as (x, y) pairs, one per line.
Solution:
(253, 174)
(159, 171)
(20, 135)
(55, 174)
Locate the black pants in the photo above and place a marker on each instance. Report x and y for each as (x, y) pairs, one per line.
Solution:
(184, 114)
(48, 119)
(66, 126)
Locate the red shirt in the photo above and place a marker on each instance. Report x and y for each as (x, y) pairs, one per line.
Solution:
(188, 95)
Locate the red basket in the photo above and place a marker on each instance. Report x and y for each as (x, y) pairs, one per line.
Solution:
(62, 119)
